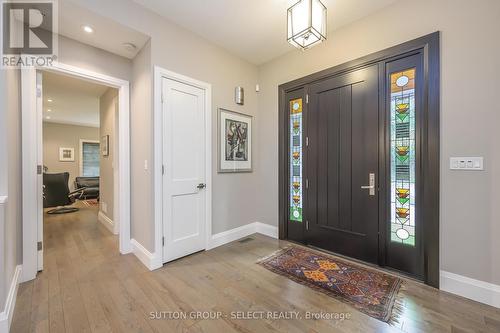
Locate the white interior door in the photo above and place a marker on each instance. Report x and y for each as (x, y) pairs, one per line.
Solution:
(184, 163)
(39, 126)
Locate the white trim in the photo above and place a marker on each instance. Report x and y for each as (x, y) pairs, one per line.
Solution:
(232, 235)
(229, 236)
(149, 260)
(107, 222)
(159, 74)
(10, 302)
(30, 144)
(267, 230)
(480, 291)
(30, 190)
(3, 199)
(80, 157)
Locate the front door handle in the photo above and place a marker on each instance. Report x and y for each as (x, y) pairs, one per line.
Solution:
(201, 186)
(371, 186)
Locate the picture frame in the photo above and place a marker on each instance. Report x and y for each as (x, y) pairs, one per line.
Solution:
(66, 154)
(234, 142)
(105, 145)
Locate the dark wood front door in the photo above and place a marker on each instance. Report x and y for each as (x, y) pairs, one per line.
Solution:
(341, 164)
(359, 159)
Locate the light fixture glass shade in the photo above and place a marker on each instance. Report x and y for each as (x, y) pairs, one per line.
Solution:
(306, 23)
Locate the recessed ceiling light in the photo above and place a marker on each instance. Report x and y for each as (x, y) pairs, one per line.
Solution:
(49, 110)
(48, 117)
(87, 29)
(49, 100)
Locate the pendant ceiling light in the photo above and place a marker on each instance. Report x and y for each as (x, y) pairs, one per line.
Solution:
(306, 23)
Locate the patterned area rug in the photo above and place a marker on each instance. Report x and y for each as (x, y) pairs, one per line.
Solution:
(91, 202)
(369, 291)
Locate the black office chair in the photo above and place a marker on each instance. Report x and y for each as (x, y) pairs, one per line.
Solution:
(90, 186)
(56, 193)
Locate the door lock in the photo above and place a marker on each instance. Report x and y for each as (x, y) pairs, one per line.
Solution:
(201, 186)
(370, 187)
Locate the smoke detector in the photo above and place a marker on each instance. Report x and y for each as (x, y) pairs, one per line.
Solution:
(129, 47)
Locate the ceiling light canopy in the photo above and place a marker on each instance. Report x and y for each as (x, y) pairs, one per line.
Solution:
(306, 23)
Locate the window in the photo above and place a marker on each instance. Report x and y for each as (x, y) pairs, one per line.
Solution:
(90, 154)
(403, 157)
(296, 160)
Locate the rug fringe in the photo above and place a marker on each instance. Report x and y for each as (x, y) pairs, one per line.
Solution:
(275, 253)
(398, 308)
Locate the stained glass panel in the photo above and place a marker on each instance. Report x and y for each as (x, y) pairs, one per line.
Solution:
(403, 157)
(296, 160)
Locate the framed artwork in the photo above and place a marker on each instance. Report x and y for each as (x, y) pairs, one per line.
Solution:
(105, 145)
(235, 142)
(66, 154)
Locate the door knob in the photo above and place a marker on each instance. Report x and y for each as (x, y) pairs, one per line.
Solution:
(371, 186)
(201, 186)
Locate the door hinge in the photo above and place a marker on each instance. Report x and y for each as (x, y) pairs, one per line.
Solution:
(307, 183)
(307, 98)
(163, 241)
(39, 169)
(307, 224)
(307, 141)
(162, 169)
(38, 92)
(39, 246)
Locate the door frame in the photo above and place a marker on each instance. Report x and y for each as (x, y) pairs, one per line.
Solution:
(429, 46)
(159, 74)
(80, 154)
(32, 146)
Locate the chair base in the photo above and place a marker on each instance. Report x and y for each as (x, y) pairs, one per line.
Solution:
(62, 210)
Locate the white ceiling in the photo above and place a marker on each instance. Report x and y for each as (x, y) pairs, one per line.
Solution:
(108, 35)
(74, 101)
(253, 29)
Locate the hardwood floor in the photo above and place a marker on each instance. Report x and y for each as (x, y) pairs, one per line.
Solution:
(87, 286)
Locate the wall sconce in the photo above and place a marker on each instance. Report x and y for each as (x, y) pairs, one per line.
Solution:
(239, 96)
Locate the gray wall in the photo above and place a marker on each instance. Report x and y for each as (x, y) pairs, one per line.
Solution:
(142, 228)
(67, 136)
(469, 54)
(72, 52)
(10, 185)
(108, 111)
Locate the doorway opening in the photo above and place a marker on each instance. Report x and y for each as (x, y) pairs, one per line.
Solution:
(359, 159)
(75, 160)
(79, 154)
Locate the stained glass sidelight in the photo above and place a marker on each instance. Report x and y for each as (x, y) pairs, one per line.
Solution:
(296, 160)
(403, 157)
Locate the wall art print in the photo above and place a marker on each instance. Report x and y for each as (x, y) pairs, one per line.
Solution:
(235, 142)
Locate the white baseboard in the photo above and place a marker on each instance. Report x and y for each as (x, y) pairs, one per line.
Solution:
(241, 232)
(149, 260)
(266, 229)
(480, 291)
(10, 302)
(107, 222)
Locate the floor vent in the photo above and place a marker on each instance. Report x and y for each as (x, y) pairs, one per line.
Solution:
(246, 240)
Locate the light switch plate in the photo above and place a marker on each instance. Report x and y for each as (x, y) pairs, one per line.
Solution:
(467, 163)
